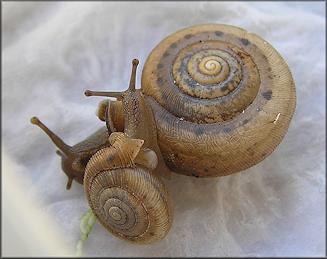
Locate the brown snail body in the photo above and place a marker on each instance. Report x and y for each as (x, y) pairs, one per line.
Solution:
(214, 100)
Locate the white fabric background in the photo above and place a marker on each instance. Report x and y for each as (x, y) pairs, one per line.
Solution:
(53, 52)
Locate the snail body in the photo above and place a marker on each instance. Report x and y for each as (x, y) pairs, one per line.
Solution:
(214, 100)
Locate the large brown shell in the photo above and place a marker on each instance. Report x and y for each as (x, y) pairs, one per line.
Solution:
(223, 99)
(128, 199)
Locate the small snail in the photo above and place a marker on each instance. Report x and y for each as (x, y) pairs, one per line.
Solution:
(214, 100)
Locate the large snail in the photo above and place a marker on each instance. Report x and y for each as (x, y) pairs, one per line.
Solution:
(214, 100)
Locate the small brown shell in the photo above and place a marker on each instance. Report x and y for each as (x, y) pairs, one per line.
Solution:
(223, 99)
(128, 199)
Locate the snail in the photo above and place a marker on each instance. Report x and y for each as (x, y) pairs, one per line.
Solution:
(214, 100)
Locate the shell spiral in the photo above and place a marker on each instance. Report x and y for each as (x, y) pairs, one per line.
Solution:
(223, 99)
(129, 201)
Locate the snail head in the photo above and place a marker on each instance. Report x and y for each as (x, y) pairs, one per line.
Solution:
(112, 111)
(72, 163)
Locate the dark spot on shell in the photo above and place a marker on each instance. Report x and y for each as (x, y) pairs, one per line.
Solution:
(166, 54)
(195, 175)
(199, 131)
(144, 197)
(267, 95)
(176, 155)
(191, 83)
(224, 88)
(160, 81)
(160, 66)
(173, 45)
(226, 130)
(269, 69)
(245, 121)
(151, 233)
(245, 42)
(181, 68)
(219, 33)
(187, 36)
(250, 151)
(263, 154)
(225, 116)
(110, 158)
(264, 57)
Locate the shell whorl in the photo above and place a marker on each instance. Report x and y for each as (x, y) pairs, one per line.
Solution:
(202, 78)
(216, 91)
(128, 200)
(216, 81)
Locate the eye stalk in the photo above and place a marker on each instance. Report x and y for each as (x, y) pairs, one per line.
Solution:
(118, 95)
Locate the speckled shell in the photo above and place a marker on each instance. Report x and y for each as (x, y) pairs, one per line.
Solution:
(223, 99)
(128, 199)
